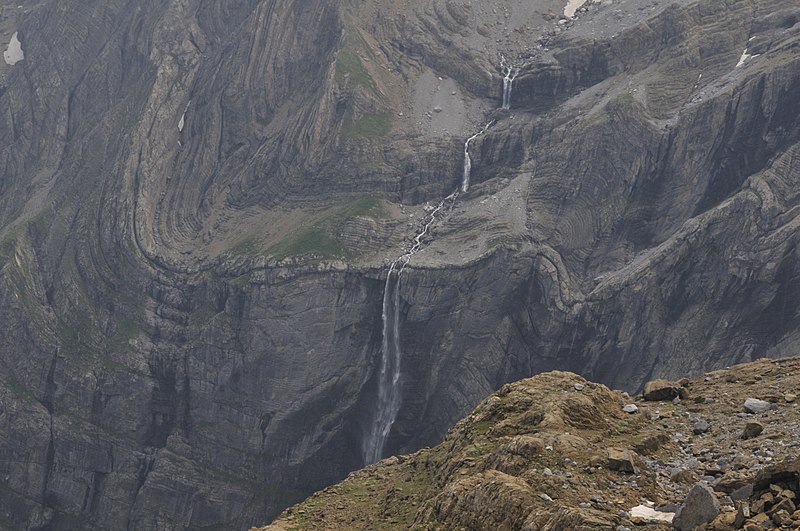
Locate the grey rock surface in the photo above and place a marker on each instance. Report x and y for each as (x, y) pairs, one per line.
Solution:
(700, 427)
(756, 405)
(701, 506)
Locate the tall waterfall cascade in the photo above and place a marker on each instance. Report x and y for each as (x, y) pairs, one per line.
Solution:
(468, 159)
(390, 376)
(509, 74)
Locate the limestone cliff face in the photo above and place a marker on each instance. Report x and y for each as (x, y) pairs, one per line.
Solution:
(197, 200)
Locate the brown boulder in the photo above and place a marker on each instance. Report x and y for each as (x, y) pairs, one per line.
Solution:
(751, 430)
(621, 460)
(657, 390)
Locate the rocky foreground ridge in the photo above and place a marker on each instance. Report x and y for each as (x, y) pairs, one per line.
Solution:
(558, 452)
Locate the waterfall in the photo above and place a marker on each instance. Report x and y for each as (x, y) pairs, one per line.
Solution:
(389, 379)
(468, 160)
(509, 74)
(467, 166)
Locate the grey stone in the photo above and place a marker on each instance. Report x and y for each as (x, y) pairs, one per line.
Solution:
(700, 427)
(701, 506)
(755, 405)
(742, 514)
(742, 493)
(630, 408)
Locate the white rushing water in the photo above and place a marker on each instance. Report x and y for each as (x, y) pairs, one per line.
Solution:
(389, 379)
(14, 53)
(509, 74)
(468, 159)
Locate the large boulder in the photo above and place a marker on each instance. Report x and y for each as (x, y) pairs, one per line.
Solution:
(701, 506)
(756, 406)
(621, 460)
(657, 390)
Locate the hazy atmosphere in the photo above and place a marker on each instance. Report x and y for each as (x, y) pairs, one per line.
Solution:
(494, 262)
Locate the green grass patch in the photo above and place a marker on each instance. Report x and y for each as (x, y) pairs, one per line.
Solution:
(368, 126)
(248, 245)
(365, 206)
(319, 239)
(313, 241)
(482, 427)
(20, 390)
(351, 72)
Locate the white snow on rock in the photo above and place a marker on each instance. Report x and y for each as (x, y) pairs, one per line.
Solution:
(643, 514)
(745, 56)
(14, 53)
(571, 7)
(182, 122)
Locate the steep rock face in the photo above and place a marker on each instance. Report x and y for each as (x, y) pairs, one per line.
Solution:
(190, 322)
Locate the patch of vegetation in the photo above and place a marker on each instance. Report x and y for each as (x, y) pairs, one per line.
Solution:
(126, 330)
(482, 427)
(350, 71)
(365, 206)
(76, 335)
(369, 500)
(20, 390)
(314, 241)
(248, 245)
(368, 126)
(321, 239)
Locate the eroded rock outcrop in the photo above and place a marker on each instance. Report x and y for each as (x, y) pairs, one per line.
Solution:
(532, 456)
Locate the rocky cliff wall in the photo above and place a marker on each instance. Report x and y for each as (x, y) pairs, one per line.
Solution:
(191, 328)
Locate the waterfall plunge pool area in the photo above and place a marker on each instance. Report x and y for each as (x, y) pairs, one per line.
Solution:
(14, 53)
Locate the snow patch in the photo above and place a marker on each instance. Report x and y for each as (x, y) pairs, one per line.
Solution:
(645, 514)
(572, 6)
(745, 56)
(14, 53)
(182, 121)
